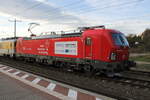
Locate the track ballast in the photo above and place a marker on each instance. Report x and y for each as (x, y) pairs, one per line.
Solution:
(122, 88)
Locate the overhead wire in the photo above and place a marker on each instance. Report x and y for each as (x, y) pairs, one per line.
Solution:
(29, 8)
(40, 3)
(83, 11)
(100, 9)
(97, 9)
(65, 6)
(73, 5)
(109, 6)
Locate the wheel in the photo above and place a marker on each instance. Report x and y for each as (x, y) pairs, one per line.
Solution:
(89, 70)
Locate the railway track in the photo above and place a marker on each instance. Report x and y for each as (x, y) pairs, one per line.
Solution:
(133, 82)
(136, 75)
(139, 72)
(122, 88)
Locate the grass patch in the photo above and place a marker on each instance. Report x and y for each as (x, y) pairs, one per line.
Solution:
(145, 58)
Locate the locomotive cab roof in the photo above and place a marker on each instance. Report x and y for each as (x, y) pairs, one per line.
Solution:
(92, 27)
(63, 34)
(9, 39)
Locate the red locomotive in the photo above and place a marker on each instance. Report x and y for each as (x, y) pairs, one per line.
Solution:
(92, 49)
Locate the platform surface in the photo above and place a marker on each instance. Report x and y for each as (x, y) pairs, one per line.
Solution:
(11, 89)
(19, 85)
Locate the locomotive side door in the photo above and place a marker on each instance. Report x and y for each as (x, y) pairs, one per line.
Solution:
(88, 47)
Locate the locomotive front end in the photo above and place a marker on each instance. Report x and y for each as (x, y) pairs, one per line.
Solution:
(120, 52)
(106, 50)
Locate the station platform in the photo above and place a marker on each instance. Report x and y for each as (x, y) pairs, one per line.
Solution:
(11, 89)
(19, 85)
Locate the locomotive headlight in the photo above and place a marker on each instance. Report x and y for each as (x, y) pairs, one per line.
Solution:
(113, 56)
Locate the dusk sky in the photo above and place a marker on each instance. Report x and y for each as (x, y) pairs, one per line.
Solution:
(127, 16)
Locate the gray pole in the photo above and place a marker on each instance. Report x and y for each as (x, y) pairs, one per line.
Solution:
(15, 28)
(15, 22)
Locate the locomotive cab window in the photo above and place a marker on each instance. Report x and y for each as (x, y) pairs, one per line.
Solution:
(120, 39)
(88, 41)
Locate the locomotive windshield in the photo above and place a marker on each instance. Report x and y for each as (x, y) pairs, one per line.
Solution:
(120, 39)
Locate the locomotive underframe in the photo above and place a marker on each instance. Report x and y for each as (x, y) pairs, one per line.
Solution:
(79, 64)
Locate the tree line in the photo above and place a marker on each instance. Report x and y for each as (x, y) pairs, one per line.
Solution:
(140, 43)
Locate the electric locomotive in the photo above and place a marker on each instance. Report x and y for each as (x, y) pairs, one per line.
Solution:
(92, 49)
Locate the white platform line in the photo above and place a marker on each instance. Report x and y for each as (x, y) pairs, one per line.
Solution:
(1, 65)
(35, 81)
(51, 86)
(53, 93)
(4, 67)
(98, 99)
(72, 94)
(25, 76)
(9, 70)
(16, 73)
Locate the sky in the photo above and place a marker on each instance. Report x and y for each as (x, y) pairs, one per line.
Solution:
(127, 16)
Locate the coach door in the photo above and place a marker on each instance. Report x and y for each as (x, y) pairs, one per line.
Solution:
(88, 47)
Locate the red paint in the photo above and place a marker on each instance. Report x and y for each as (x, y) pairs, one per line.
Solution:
(100, 49)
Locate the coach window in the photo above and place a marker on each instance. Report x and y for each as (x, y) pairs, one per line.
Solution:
(88, 41)
(10, 45)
